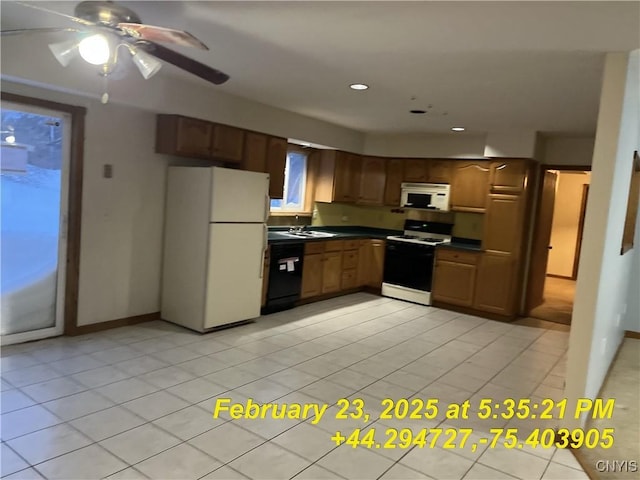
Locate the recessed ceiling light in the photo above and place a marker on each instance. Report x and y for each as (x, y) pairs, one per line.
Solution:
(458, 129)
(358, 86)
(418, 112)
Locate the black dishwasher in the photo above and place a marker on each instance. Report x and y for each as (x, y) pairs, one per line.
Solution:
(285, 276)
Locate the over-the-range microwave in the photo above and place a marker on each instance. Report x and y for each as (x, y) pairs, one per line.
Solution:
(432, 196)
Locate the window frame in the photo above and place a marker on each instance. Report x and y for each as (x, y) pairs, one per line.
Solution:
(302, 207)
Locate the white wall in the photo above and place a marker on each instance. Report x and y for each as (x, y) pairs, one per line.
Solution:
(511, 144)
(454, 145)
(604, 277)
(566, 218)
(122, 217)
(567, 150)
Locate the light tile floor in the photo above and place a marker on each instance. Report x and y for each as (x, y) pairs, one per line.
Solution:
(136, 402)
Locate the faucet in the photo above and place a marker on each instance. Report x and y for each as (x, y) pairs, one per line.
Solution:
(297, 228)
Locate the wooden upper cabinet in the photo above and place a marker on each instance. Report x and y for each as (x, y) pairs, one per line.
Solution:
(508, 176)
(227, 143)
(469, 186)
(415, 170)
(183, 136)
(394, 178)
(439, 171)
(338, 177)
(503, 223)
(276, 162)
(254, 156)
(372, 181)
(347, 176)
(495, 284)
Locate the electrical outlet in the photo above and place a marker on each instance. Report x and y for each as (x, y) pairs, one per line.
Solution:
(345, 218)
(107, 170)
(315, 213)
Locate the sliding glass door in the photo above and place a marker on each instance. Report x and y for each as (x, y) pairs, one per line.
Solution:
(35, 148)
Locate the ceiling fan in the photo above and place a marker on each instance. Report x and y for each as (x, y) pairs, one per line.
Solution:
(105, 26)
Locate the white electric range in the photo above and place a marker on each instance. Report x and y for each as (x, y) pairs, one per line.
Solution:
(409, 259)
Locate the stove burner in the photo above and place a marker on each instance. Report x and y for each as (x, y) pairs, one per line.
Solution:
(432, 240)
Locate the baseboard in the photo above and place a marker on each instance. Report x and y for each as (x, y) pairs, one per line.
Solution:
(474, 312)
(326, 296)
(120, 322)
(631, 334)
(553, 275)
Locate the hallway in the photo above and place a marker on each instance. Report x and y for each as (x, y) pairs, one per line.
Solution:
(558, 301)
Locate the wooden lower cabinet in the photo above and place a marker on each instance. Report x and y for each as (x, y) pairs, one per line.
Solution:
(350, 266)
(495, 282)
(454, 278)
(349, 279)
(312, 276)
(376, 267)
(370, 263)
(331, 272)
(483, 281)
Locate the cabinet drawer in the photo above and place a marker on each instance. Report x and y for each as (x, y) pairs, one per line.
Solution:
(334, 246)
(457, 256)
(313, 247)
(351, 244)
(349, 259)
(349, 279)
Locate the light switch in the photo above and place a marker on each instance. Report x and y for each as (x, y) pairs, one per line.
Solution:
(107, 170)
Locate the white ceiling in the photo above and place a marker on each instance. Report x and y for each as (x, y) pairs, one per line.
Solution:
(488, 66)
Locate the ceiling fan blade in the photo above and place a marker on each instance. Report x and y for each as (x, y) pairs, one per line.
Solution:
(153, 33)
(38, 30)
(185, 63)
(53, 12)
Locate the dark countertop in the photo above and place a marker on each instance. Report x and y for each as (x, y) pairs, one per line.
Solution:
(463, 244)
(278, 234)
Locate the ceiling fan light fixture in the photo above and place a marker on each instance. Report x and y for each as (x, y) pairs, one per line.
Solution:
(457, 129)
(147, 64)
(95, 49)
(358, 86)
(64, 51)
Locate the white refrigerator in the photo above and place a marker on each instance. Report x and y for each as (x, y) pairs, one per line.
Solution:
(214, 245)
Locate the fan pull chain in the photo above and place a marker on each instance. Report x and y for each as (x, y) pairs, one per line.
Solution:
(105, 96)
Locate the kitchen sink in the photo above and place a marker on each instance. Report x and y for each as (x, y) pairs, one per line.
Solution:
(309, 234)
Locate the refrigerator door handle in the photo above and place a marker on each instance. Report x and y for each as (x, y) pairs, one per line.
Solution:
(267, 207)
(265, 244)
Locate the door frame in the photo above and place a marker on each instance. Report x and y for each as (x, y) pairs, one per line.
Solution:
(74, 214)
(583, 211)
(541, 171)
